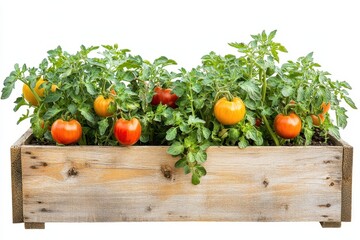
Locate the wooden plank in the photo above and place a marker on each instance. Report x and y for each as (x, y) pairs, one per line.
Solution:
(30, 225)
(330, 224)
(346, 183)
(16, 177)
(139, 183)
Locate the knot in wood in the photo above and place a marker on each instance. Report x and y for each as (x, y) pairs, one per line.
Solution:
(265, 182)
(167, 171)
(72, 172)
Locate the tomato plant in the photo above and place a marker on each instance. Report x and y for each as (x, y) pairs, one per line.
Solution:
(100, 90)
(66, 132)
(127, 132)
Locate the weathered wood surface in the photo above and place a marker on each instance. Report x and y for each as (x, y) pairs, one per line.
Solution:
(86, 183)
(16, 177)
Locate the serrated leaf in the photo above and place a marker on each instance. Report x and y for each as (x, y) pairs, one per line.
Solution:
(175, 149)
(194, 120)
(350, 102)
(341, 118)
(182, 162)
(282, 49)
(272, 35)
(206, 132)
(66, 73)
(287, 91)
(200, 170)
(196, 88)
(88, 115)
(334, 131)
(53, 97)
(90, 89)
(20, 101)
(72, 108)
(9, 85)
(103, 125)
(243, 143)
(52, 112)
(171, 134)
(201, 156)
(251, 89)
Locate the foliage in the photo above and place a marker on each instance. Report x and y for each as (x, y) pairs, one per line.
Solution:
(189, 128)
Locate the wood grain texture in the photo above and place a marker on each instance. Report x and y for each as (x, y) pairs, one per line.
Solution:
(139, 183)
(16, 177)
(330, 224)
(346, 183)
(30, 225)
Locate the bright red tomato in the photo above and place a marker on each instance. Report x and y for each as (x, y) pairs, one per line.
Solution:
(287, 126)
(127, 132)
(66, 132)
(164, 97)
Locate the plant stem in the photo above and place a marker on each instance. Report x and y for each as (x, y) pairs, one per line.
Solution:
(272, 134)
(262, 78)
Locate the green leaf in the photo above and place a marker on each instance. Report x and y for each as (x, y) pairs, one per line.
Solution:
(272, 35)
(191, 157)
(9, 85)
(88, 115)
(341, 118)
(52, 112)
(194, 120)
(206, 132)
(187, 169)
(282, 49)
(175, 149)
(243, 143)
(72, 108)
(53, 97)
(66, 73)
(182, 162)
(334, 131)
(287, 91)
(197, 88)
(20, 101)
(24, 116)
(103, 125)
(171, 134)
(195, 179)
(201, 156)
(90, 89)
(200, 170)
(251, 89)
(350, 102)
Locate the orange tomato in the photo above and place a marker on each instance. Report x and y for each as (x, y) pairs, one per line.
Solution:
(287, 126)
(101, 106)
(229, 112)
(317, 119)
(325, 107)
(66, 132)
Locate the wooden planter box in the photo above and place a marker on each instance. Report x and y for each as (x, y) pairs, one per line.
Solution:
(139, 183)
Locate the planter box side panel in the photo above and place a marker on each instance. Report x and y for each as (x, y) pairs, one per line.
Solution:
(87, 183)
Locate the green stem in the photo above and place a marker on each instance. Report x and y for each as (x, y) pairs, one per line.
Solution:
(191, 98)
(262, 78)
(272, 134)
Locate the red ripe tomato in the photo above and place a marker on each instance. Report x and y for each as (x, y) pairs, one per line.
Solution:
(229, 112)
(164, 97)
(258, 122)
(66, 132)
(127, 132)
(287, 126)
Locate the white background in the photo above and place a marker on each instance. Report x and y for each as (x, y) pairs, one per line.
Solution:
(182, 30)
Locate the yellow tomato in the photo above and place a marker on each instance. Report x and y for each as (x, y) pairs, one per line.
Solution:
(229, 112)
(29, 96)
(101, 106)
